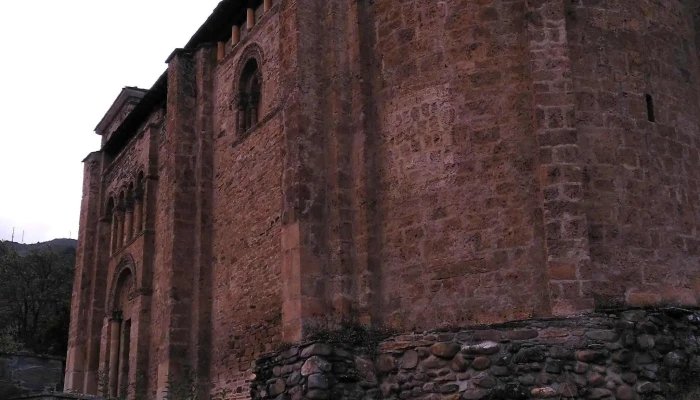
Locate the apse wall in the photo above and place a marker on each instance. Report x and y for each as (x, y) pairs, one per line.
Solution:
(461, 221)
(635, 77)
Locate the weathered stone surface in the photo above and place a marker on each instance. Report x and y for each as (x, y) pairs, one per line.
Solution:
(514, 391)
(634, 315)
(459, 364)
(448, 388)
(386, 363)
(695, 364)
(648, 387)
(625, 393)
(484, 348)
(317, 394)
(526, 380)
(474, 394)
(675, 359)
(591, 356)
(433, 362)
(445, 349)
(623, 356)
(553, 367)
(409, 359)
(629, 377)
(277, 387)
(522, 334)
(294, 378)
(599, 393)
(317, 381)
(498, 370)
(317, 349)
(568, 389)
(481, 363)
(484, 380)
(315, 365)
(561, 353)
(645, 342)
(544, 393)
(602, 335)
(529, 354)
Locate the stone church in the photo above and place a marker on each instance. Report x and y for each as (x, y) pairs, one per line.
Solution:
(500, 198)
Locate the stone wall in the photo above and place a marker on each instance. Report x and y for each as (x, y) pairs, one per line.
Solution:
(626, 355)
(20, 375)
(314, 371)
(640, 177)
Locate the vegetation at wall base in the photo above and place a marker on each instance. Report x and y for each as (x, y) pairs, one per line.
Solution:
(35, 294)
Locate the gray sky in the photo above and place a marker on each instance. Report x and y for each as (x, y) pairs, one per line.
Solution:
(62, 65)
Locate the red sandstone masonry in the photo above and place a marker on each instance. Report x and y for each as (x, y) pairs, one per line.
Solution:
(559, 171)
(641, 178)
(461, 227)
(246, 285)
(416, 164)
(79, 344)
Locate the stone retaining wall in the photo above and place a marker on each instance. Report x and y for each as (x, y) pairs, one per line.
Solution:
(312, 371)
(627, 355)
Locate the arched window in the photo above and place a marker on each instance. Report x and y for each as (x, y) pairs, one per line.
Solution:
(249, 96)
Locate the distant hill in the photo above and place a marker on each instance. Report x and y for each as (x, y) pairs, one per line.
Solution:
(58, 245)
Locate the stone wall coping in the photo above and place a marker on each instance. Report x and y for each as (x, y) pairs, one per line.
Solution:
(551, 322)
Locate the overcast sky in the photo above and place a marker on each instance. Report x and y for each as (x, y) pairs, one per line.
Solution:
(62, 65)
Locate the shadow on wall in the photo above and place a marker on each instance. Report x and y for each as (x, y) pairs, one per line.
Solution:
(23, 375)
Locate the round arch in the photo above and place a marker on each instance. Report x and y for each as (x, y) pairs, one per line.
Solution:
(251, 52)
(123, 274)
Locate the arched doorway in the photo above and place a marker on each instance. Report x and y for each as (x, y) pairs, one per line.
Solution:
(120, 333)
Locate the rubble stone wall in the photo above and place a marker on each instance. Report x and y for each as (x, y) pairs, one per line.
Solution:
(628, 355)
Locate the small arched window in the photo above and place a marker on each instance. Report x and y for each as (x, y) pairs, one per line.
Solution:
(249, 96)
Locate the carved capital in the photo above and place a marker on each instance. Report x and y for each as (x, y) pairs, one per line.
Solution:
(116, 316)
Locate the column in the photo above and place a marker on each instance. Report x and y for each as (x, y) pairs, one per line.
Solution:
(119, 215)
(138, 216)
(113, 235)
(235, 35)
(241, 101)
(251, 18)
(220, 51)
(254, 103)
(124, 347)
(129, 224)
(115, 328)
